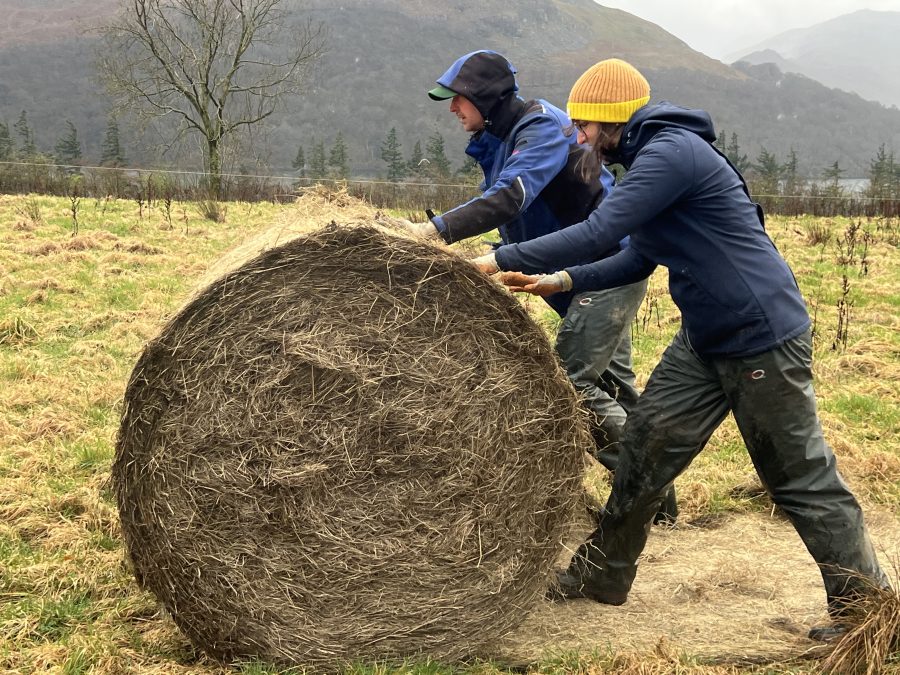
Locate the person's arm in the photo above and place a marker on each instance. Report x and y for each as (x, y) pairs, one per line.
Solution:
(626, 267)
(661, 174)
(540, 152)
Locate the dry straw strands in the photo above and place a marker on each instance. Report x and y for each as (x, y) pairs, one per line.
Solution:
(352, 447)
(871, 646)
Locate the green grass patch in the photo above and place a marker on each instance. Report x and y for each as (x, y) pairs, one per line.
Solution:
(92, 454)
(76, 316)
(873, 412)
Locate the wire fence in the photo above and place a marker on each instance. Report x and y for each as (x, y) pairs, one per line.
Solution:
(413, 195)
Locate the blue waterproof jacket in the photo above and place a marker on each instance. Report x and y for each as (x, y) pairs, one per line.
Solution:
(685, 207)
(532, 164)
(532, 177)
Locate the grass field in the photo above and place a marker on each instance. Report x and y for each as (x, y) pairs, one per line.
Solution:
(76, 310)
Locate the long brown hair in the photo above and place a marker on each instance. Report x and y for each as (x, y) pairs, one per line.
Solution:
(591, 162)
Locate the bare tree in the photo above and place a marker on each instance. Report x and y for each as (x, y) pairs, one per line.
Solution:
(215, 67)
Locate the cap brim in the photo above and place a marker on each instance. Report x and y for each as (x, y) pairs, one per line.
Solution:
(441, 93)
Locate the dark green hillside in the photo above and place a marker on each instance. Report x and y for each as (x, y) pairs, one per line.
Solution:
(384, 54)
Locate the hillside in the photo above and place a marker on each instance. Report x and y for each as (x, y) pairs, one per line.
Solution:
(857, 52)
(384, 54)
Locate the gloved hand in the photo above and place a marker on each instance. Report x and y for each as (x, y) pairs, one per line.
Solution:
(537, 284)
(425, 230)
(486, 263)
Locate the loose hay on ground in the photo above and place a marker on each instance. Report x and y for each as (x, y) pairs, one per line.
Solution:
(353, 447)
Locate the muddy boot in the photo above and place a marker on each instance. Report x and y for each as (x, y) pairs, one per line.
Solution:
(830, 633)
(571, 586)
(668, 512)
(586, 577)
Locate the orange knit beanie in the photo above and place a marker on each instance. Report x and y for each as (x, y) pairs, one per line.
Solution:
(608, 91)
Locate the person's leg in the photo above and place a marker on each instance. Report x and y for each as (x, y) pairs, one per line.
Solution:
(774, 405)
(680, 408)
(594, 345)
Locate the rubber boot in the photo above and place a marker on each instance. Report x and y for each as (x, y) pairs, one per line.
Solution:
(585, 578)
(668, 512)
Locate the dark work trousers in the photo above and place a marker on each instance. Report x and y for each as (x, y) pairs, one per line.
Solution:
(771, 397)
(594, 344)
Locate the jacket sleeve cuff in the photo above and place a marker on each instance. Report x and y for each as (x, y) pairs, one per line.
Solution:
(442, 229)
(565, 280)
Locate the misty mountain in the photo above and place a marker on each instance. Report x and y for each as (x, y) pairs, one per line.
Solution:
(858, 52)
(383, 55)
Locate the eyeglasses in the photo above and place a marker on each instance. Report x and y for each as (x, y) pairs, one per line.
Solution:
(580, 124)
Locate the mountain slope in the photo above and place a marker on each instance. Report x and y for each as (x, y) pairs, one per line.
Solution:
(857, 52)
(384, 54)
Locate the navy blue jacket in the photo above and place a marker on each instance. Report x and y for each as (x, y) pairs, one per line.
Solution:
(686, 208)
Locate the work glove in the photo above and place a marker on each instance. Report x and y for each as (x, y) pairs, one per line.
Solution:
(486, 263)
(425, 230)
(537, 284)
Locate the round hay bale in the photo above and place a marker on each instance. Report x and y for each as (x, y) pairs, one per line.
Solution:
(352, 448)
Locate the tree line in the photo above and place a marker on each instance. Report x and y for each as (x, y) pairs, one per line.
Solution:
(19, 145)
(428, 165)
(768, 177)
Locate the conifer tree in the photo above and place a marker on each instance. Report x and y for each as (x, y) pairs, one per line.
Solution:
(884, 179)
(6, 143)
(720, 142)
(392, 155)
(768, 171)
(337, 158)
(733, 152)
(415, 162)
(111, 153)
(833, 175)
(793, 183)
(438, 164)
(68, 147)
(26, 136)
(317, 168)
(470, 172)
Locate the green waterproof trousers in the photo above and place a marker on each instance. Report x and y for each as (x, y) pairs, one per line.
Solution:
(771, 397)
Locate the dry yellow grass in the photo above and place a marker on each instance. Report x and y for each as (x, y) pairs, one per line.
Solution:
(76, 311)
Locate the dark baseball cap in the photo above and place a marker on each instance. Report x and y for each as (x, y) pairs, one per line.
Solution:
(483, 77)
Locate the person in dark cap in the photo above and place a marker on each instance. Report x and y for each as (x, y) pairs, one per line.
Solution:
(538, 179)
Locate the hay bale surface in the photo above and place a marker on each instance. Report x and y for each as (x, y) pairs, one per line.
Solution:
(353, 447)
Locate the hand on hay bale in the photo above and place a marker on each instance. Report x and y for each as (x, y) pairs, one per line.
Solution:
(426, 230)
(486, 264)
(355, 474)
(537, 284)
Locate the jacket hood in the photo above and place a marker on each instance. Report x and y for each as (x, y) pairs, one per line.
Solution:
(651, 119)
(484, 77)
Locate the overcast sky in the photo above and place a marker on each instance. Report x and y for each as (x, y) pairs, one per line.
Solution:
(720, 27)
